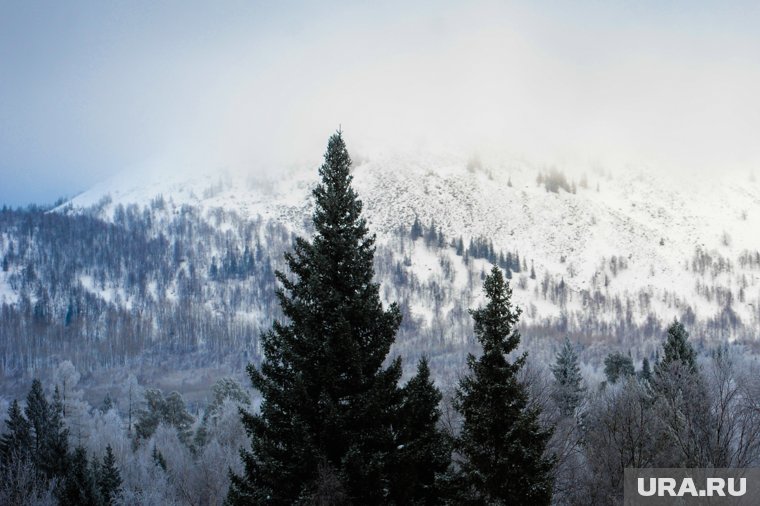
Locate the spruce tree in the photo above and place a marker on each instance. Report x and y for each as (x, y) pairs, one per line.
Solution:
(48, 435)
(416, 230)
(78, 487)
(158, 457)
(15, 444)
(328, 402)
(501, 443)
(677, 348)
(646, 370)
(109, 479)
(618, 365)
(424, 450)
(568, 381)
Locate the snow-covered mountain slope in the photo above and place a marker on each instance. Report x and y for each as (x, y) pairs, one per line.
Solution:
(681, 244)
(177, 272)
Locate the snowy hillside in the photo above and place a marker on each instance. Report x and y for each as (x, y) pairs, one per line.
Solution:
(683, 242)
(177, 272)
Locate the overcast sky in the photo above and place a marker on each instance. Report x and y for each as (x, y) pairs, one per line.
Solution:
(88, 89)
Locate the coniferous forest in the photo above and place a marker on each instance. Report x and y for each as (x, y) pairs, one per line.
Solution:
(329, 413)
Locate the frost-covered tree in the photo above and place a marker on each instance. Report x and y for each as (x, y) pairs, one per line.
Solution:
(677, 348)
(568, 388)
(170, 410)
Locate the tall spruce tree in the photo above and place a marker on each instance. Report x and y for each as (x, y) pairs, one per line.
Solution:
(108, 478)
(328, 402)
(568, 388)
(424, 449)
(48, 435)
(501, 443)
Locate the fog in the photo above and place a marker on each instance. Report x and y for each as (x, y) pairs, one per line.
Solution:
(89, 89)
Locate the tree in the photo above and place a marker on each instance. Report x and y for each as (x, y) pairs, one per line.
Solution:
(623, 431)
(677, 348)
(170, 410)
(49, 436)
(15, 444)
(682, 399)
(416, 230)
(568, 382)
(424, 450)
(646, 370)
(327, 399)
(224, 389)
(501, 444)
(109, 479)
(618, 366)
(78, 488)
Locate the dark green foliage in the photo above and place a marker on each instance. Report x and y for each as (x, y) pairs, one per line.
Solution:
(16, 442)
(618, 366)
(646, 370)
(170, 410)
(501, 444)
(108, 478)
(416, 231)
(49, 437)
(424, 450)
(158, 458)
(78, 487)
(568, 382)
(327, 400)
(678, 348)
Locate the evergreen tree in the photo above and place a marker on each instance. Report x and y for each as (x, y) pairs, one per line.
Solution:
(55, 459)
(424, 450)
(416, 231)
(48, 435)
(107, 403)
(617, 366)
(170, 410)
(109, 479)
(16, 443)
(327, 400)
(78, 488)
(158, 457)
(175, 414)
(677, 348)
(568, 383)
(646, 370)
(501, 443)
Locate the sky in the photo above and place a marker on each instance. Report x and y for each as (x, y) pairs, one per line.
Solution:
(92, 89)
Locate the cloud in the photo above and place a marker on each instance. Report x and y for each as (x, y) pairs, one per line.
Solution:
(95, 88)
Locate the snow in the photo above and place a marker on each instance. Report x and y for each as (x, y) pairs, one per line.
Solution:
(567, 235)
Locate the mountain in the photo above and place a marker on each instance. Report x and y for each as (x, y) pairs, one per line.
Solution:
(148, 269)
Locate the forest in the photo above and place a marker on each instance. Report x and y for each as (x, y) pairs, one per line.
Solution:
(348, 398)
